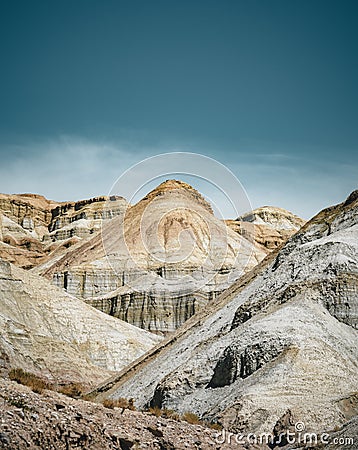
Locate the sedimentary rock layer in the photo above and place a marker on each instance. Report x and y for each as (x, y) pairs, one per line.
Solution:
(48, 332)
(269, 227)
(279, 346)
(160, 262)
(34, 229)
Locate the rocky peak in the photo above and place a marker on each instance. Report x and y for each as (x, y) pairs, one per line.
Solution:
(269, 226)
(21, 207)
(33, 227)
(353, 197)
(158, 263)
(182, 189)
(273, 216)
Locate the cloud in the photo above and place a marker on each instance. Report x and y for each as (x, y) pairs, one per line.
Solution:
(68, 168)
(72, 168)
(304, 186)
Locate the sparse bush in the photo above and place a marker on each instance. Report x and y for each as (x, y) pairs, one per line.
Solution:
(156, 411)
(119, 403)
(73, 390)
(31, 380)
(187, 417)
(166, 413)
(170, 414)
(214, 426)
(191, 418)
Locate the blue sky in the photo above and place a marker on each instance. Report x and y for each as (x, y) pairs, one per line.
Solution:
(269, 88)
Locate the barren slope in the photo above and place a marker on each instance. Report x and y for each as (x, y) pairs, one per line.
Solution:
(280, 344)
(46, 331)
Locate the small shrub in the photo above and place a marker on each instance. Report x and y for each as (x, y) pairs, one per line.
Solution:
(214, 426)
(155, 411)
(119, 403)
(170, 414)
(191, 418)
(73, 390)
(31, 380)
(87, 397)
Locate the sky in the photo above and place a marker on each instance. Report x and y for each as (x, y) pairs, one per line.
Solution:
(268, 88)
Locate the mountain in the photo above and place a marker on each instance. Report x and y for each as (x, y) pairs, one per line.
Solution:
(34, 229)
(45, 331)
(153, 264)
(269, 226)
(156, 265)
(277, 348)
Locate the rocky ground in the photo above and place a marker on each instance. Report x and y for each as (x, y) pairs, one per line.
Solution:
(54, 422)
(51, 421)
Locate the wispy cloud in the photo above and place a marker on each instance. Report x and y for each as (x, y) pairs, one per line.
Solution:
(67, 168)
(70, 168)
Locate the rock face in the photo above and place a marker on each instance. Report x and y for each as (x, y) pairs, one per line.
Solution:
(34, 229)
(274, 217)
(52, 334)
(269, 226)
(84, 217)
(159, 263)
(280, 345)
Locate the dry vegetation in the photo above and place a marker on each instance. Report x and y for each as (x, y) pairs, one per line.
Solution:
(119, 403)
(76, 390)
(187, 417)
(38, 384)
(34, 382)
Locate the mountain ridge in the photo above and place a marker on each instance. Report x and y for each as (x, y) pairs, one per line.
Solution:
(308, 332)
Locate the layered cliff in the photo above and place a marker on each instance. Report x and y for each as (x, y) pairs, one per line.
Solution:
(154, 264)
(52, 334)
(159, 263)
(34, 229)
(268, 226)
(279, 347)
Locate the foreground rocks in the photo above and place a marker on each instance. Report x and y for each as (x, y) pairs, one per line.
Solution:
(54, 422)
